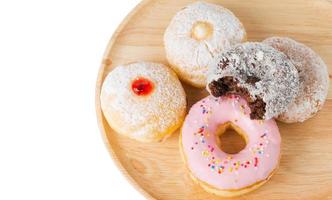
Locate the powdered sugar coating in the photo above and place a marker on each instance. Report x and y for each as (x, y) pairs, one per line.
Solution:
(188, 56)
(314, 79)
(145, 118)
(278, 81)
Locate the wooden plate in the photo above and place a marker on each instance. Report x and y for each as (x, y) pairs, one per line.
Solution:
(156, 170)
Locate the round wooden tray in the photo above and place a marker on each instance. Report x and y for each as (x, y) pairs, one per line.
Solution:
(157, 170)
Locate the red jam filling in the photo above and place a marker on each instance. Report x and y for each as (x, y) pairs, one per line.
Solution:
(142, 86)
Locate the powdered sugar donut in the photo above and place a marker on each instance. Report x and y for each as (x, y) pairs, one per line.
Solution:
(195, 35)
(262, 75)
(144, 101)
(219, 172)
(314, 79)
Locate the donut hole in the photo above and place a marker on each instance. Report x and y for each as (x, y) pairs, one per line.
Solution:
(231, 139)
(202, 30)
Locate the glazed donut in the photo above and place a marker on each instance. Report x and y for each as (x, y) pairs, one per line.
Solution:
(144, 101)
(195, 35)
(314, 79)
(216, 171)
(262, 75)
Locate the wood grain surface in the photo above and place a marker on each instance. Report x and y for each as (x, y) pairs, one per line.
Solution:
(157, 170)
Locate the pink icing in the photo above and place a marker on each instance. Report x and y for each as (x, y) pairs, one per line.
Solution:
(209, 163)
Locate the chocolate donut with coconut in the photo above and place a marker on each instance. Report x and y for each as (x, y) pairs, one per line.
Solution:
(265, 77)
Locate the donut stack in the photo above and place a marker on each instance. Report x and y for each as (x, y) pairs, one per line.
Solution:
(250, 85)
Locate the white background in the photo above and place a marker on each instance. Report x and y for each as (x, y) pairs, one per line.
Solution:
(50, 144)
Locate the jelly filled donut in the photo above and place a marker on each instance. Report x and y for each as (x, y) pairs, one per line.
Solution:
(144, 101)
(195, 35)
(216, 171)
(314, 79)
(262, 75)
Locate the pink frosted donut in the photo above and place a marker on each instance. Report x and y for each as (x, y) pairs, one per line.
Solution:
(216, 171)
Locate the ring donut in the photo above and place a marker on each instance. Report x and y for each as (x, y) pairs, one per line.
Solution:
(216, 171)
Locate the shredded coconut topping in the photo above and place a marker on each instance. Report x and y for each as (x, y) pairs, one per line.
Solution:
(148, 117)
(314, 79)
(190, 56)
(263, 71)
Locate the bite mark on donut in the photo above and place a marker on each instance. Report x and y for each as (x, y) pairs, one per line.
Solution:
(228, 85)
(257, 108)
